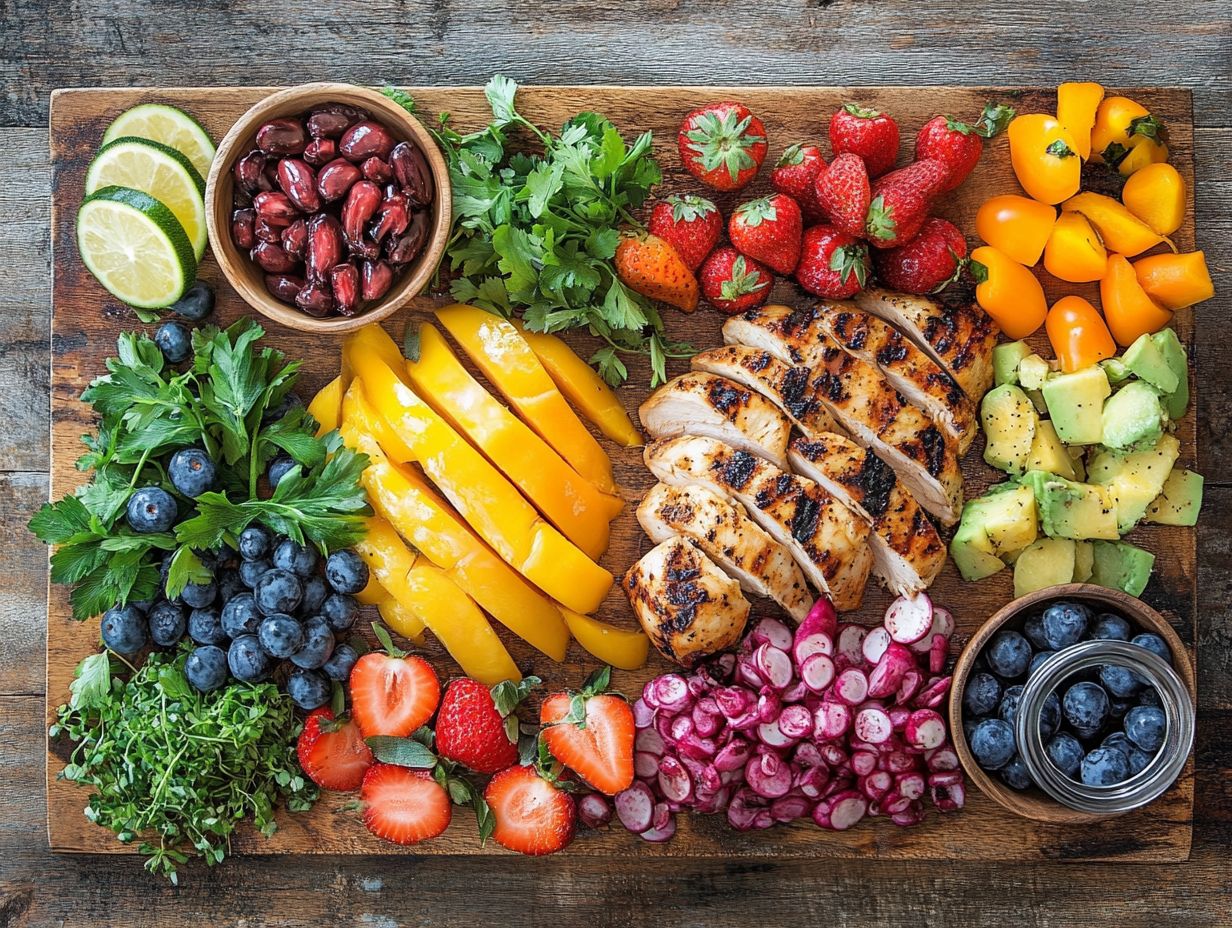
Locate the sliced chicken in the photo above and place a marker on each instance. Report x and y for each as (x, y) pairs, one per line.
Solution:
(960, 339)
(907, 551)
(688, 607)
(704, 404)
(735, 542)
(910, 371)
(875, 415)
(827, 540)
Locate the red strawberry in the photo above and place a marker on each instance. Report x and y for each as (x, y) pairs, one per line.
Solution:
(901, 201)
(472, 729)
(796, 173)
(332, 754)
(692, 225)
(926, 263)
(393, 694)
(833, 264)
(653, 268)
(842, 191)
(733, 283)
(868, 133)
(958, 145)
(768, 230)
(532, 816)
(404, 806)
(591, 733)
(722, 144)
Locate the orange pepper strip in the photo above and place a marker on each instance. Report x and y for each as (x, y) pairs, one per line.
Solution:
(1130, 312)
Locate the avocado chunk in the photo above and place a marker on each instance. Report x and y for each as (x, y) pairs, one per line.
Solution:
(1032, 372)
(1135, 478)
(1047, 562)
(1075, 403)
(972, 553)
(1009, 421)
(1073, 510)
(1084, 561)
(1133, 416)
(1147, 363)
(1180, 500)
(1174, 354)
(1005, 360)
(1115, 369)
(1048, 453)
(1121, 566)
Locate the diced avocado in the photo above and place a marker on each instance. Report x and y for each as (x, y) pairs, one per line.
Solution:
(1121, 566)
(1037, 400)
(1005, 360)
(1147, 362)
(1032, 372)
(1007, 515)
(1174, 354)
(1135, 478)
(1181, 499)
(1045, 563)
(1133, 415)
(1073, 510)
(1075, 403)
(972, 552)
(1084, 560)
(1047, 452)
(1009, 421)
(1115, 369)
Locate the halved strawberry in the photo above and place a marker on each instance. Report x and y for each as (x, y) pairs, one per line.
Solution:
(332, 754)
(591, 733)
(532, 816)
(392, 695)
(404, 806)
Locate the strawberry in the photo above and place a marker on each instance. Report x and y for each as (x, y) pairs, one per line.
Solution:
(958, 145)
(901, 201)
(392, 693)
(692, 225)
(833, 264)
(476, 726)
(332, 754)
(532, 816)
(652, 267)
(868, 133)
(796, 173)
(926, 263)
(768, 230)
(842, 191)
(733, 283)
(402, 805)
(722, 144)
(591, 733)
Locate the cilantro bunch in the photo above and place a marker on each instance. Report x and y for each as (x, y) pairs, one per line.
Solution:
(535, 233)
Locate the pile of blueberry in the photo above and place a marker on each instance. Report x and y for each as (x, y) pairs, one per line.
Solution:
(1103, 728)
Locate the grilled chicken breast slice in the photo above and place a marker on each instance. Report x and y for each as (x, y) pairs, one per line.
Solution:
(731, 539)
(688, 607)
(960, 339)
(907, 551)
(788, 388)
(704, 404)
(826, 539)
(910, 371)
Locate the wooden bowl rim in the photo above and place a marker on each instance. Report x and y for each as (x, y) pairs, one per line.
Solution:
(236, 267)
(1037, 805)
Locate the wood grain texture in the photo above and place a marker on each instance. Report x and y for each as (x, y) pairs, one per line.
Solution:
(984, 831)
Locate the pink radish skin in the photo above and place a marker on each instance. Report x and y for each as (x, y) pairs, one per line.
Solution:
(943, 624)
(863, 762)
(893, 805)
(643, 714)
(925, 729)
(768, 706)
(810, 645)
(768, 776)
(674, 780)
(733, 756)
(899, 762)
(774, 632)
(875, 644)
(679, 728)
(851, 686)
(949, 798)
(645, 765)
(669, 692)
(795, 693)
(876, 784)
(594, 811)
(660, 835)
(817, 672)
(933, 694)
(943, 758)
(790, 808)
(898, 717)
(945, 779)
(909, 618)
(774, 666)
(913, 680)
(937, 654)
(812, 781)
(807, 754)
(696, 747)
(892, 667)
(835, 756)
(707, 719)
(831, 720)
(850, 643)
(840, 811)
(909, 785)
(650, 742)
(635, 807)
(910, 816)
(795, 722)
(872, 726)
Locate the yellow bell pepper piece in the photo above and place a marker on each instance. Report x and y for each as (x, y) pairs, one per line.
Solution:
(1175, 281)
(326, 407)
(1008, 292)
(1117, 122)
(509, 364)
(373, 593)
(1016, 226)
(569, 501)
(401, 619)
(1076, 107)
(1129, 311)
(623, 648)
(1143, 152)
(1045, 158)
(370, 340)
(1074, 252)
(1121, 230)
(583, 387)
(1156, 195)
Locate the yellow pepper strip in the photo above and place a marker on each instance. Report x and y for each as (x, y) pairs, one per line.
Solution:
(583, 387)
(401, 620)
(326, 407)
(1156, 195)
(1143, 152)
(374, 340)
(623, 648)
(568, 500)
(1175, 281)
(1076, 106)
(509, 364)
(1074, 252)
(1129, 311)
(1044, 158)
(371, 594)
(1121, 230)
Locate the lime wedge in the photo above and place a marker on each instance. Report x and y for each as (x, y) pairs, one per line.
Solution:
(160, 171)
(135, 246)
(168, 125)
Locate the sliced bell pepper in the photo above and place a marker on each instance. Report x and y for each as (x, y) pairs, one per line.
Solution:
(401, 619)
(1156, 195)
(1078, 333)
(1118, 121)
(1008, 292)
(326, 407)
(1121, 230)
(624, 648)
(1175, 281)
(1077, 104)
(1045, 158)
(1143, 152)
(372, 593)
(1016, 226)
(1128, 309)
(1074, 252)
(370, 340)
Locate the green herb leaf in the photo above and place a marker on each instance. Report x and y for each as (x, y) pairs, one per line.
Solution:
(405, 752)
(401, 97)
(91, 682)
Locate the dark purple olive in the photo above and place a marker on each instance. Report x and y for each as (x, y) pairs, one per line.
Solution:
(316, 299)
(243, 232)
(273, 259)
(295, 238)
(285, 287)
(412, 173)
(282, 137)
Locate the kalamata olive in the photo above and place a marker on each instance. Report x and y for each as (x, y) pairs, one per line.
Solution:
(391, 217)
(242, 231)
(365, 139)
(273, 259)
(405, 248)
(282, 137)
(284, 287)
(299, 182)
(361, 205)
(240, 198)
(344, 279)
(249, 172)
(275, 208)
(295, 238)
(324, 248)
(412, 173)
(375, 280)
(267, 233)
(336, 178)
(327, 125)
(320, 151)
(315, 299)
(377, 171)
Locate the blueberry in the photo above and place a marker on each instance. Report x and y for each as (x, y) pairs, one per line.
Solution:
(284, 406)
(346, 572)
(252, 571)
(191, 471)
(278, 468)
(247, 661)
(1104, 767)
(1109, 627)
(124, 629)
(167, 623)
(317, 647)
(1154, 644)
(254, 543)
(1033, 628)
(1145, 727)
(992, 743)
(196, 304)
(1050, 715)
(339, 665)
(340, 611)
(229, 585)
(1086, 708)
(301, 560)
(308, 689)
(1037, 659)
(280, 635)
(173, 341)
(982, 694)
(1007, 709)
(1118, 707)
(1009, 654)
(1015, 775)
(1149, 697)
(240, 615)
(206, 668)
(1065, 624)
(205, 627)
(315, 592)
(151, 509)
(1118, 740)
(969, 724)
(199, 595)
(1138, 759)
(278, 591)
(1065, 753)
(1120, 681)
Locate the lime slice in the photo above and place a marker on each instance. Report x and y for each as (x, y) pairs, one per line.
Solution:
(135, 246)
(168, 125)
(160, 171)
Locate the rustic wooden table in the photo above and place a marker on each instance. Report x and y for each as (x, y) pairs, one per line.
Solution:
(126, 42)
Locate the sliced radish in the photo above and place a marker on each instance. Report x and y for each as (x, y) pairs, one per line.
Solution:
(769, 734)
(679, 728)
(772, 631)
(643, 714)
(892, 667)
(937, 654)
(821, 619)
(898, 716)
(795, 722)
(674, 780)
(768, 707)
(831, 720)
(943, 624)
(910, 785)
(696, 747)
(649, 741)
(876, 784)
(804, 648)
(912, 815)
(863, 762)
(733, 755)
(845, 810)
(912, 681)
(835, 756)
(707, 719)
(945, 778)
(635, 807)
(851, 686)
(807, 754)
(669, 692)
(734, 701)
(875, 644)
(817, 672)
(594, 811)
(943, 758)
(925, 729)
(850, 643)
(645, 765)
(933, 694)
(899, 762)
(768, 776)
(909, 618)
(795, 693)
(872, 726)
(949, 798)
(660, 835)
(774, 665)
(790, 808)
(893, 805)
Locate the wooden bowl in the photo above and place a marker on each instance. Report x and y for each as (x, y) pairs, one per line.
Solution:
(1034, 803)
(248, 278)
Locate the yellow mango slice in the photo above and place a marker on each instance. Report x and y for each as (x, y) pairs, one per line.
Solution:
(569, 501)
(1121, 230)
(583, 387)
(508, 362)
(326, 407)
(623, 648)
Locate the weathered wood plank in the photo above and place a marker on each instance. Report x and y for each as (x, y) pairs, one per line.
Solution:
(1214, 219)
(23, 577)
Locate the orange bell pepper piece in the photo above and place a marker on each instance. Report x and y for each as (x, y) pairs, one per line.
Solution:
(1078, 334)
(1076, 107)
(1045, 158)
(1175, 281)
(1117, 122)
(1016, 226)
(1128, 309)
(1008, 292)
(1121, 230)
(1143, 152)
(1074, 252)
(1156, 195)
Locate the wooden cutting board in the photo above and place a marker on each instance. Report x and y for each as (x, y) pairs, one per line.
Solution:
(86, 320)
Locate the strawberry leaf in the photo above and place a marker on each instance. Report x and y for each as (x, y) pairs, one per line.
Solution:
(792, 154)
(386, 642)
(880, 222)
(597, 682)
(848, 260)
(994, 119)
(957, 125)
(855, 109)
(742, 281)
(754, 212)
(690, 208)
(506, 695)
(483, 818)
(723, 142)
(405, 752)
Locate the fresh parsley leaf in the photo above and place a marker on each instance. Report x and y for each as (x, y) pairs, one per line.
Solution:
(91, 682)
(401, 97)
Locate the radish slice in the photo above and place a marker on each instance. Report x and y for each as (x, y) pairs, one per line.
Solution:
(925, 729)
(845, 810)
(680, 728)
(937, 654)
(769, 734)
(643, 714)
(810, 645)
(893, 805)
(945, 778)
(876, 784)
(836, 757)
(707, 719)
(790, 808)
(807, 754)
(795, 722)
(774, 666)
(910, 785)
(912, 681)
(851, 686)
(949, 798)
(899, 762)
(892, 667)
(646, 766)
(795, 693)
(649, 741)
(821, 619)
(863, 762)
(774, 632)
(909, 618)
(660, 835)
(696, 747)
(734, 755)
(817, 672)
(910, 816)
(933, 693)
(669, 692)
(943, 758)
(635, 807)
(812, 781)
(872, 726)
(768, 776)
(851, 643)
(831, 720)
(768, 707)
(875, 644)
(898, 717)
(943, 624)
(674, 780)
(734, 701)
(594, 811)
